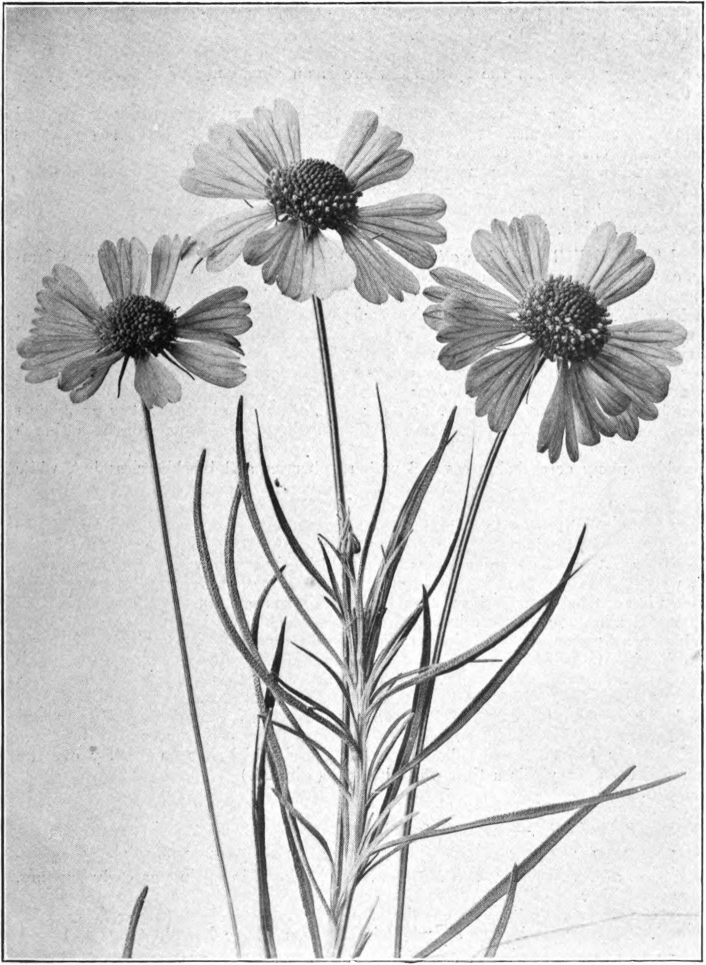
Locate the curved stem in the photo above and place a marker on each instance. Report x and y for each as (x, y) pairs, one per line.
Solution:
(187, 674)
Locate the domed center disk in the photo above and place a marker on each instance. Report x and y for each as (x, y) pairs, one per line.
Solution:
(314, 192)
(138, 324)
(565, 319)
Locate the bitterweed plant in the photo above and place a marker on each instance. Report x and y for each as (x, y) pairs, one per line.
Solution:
(608, 377)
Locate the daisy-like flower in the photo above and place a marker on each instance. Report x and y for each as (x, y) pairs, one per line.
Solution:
(78, 341)
(608, 376)
(260, 160)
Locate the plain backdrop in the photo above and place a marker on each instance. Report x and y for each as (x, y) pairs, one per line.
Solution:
(578, 113)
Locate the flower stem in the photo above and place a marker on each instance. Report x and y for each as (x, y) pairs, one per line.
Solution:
(343, 818)
(332, 413)
(187, 674)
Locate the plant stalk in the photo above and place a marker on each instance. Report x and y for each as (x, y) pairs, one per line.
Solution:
(343, 819)
(187, 674)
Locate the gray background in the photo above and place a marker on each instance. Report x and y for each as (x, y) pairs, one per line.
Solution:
(580, 114)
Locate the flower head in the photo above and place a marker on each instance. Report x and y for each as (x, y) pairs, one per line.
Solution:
(608, 376)
(78, 341)
(260, 159)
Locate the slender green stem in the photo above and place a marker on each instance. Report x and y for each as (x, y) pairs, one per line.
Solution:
(187, 673)
(332, 414)
(342, 830)
(440, 637)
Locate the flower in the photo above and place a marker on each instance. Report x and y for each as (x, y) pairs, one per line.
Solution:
(608, 376)
(78, 341)
(260, 159)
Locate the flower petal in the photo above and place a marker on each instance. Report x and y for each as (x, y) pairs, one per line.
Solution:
(132, 257)
(222, 241)
(455, 280)
(301, 266)
(377, 272)
(280, 251)
(369, 155)
(471, 331)
(516, 255)
(166, 255)
(94, 381)
(407, 225)
(272, 136)
(66, 293)
(653, 339)
(632, 381)
(84, 369)
(225, 168)
(611, 266)
(220, 317)
(211, 361)
(558, 420)
(124, 268)
(48, 362)
(327, 268)
(498, 382)
(155, 384)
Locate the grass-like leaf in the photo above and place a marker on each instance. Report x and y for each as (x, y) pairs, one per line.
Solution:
(381, 495)
(413, 677)
(257, 615)
(504, 917)
(294, 543)
(134, 922)
(377, 598)
(364, 935)
(250, 508)
(390, 651)
(530, 862)
(250, 654)
(498, 679)
(529, 814)
(259, 831)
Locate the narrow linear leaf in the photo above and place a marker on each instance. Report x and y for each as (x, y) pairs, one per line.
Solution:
(280, 781)
(391, 650)
(306, 893)
(259, 831)
(294, 543)
(381, 494)
(494, 684)
(312, 829)
(250, 655)
(257, 615)
(528, 814)
(379, 593)
(504, 917)
(408, 748)
(387, 742)
(409, 743)
(250, 508)
(413, 677)
(530, 862)
(329, 670)
(134, 922)
(364, 935)
(312, 744)
(276, 665)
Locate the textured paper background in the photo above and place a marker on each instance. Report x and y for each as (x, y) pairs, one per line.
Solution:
(579, 113)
